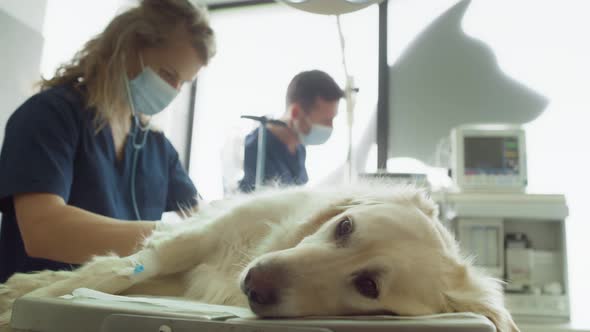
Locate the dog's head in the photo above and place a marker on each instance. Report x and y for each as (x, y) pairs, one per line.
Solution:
(382, 253)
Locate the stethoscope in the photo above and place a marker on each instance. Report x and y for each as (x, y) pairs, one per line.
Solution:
(137, 146)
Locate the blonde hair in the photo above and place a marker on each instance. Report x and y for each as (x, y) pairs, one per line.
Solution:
(98, 71)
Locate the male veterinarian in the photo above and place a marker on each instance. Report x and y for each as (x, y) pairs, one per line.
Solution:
(312, 103)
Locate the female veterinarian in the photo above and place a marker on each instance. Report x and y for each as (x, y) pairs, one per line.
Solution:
(79, 159)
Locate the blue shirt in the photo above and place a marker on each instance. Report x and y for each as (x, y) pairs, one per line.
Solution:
(281, 167)
(51, 146)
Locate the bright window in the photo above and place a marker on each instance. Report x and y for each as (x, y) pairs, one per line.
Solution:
(69, 24)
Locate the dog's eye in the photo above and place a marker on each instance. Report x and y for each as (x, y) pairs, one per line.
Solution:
(366, 286)
(344, 228)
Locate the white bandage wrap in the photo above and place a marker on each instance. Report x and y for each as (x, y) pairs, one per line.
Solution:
(144, 264)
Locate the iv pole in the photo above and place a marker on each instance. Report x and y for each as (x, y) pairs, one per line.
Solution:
(350, 95)
(261, 148)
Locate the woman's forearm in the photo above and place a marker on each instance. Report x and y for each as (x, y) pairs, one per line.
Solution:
(68, 234)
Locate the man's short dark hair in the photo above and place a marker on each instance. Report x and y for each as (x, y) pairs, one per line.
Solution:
(307, 86)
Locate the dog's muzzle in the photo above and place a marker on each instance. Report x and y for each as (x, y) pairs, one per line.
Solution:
(262, 285)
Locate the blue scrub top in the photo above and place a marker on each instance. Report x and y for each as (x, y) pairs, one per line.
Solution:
(282, 167)
(51, 146)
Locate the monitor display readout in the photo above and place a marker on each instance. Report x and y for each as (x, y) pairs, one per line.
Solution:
(491, 155)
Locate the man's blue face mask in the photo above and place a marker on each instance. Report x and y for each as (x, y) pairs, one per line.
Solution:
(149, 93)
(318, 134)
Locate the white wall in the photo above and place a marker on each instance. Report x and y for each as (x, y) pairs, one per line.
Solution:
(445, 78)
(541, 45)
(21, 25)
(29, 12)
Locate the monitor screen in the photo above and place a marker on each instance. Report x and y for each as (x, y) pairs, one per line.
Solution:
(491, 155)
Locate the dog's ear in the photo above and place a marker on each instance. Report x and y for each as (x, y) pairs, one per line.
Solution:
(425, 203)
(370, 193)
(417, 197)
(472, 291)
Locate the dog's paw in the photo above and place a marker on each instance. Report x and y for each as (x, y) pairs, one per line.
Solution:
(5, 318)
(108, 274)
(23, 283)
(6, 300)
(7, 296)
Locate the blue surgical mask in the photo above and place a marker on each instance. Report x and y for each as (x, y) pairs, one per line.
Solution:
(149, 93)
(318, 134)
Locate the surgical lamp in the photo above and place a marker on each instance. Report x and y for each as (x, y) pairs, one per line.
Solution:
(330, 7)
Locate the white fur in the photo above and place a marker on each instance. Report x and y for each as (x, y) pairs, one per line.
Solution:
(397, 238)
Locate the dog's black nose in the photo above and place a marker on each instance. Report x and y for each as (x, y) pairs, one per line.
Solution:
(260, 286)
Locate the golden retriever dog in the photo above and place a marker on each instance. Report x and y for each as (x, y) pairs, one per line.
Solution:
(362, 249)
